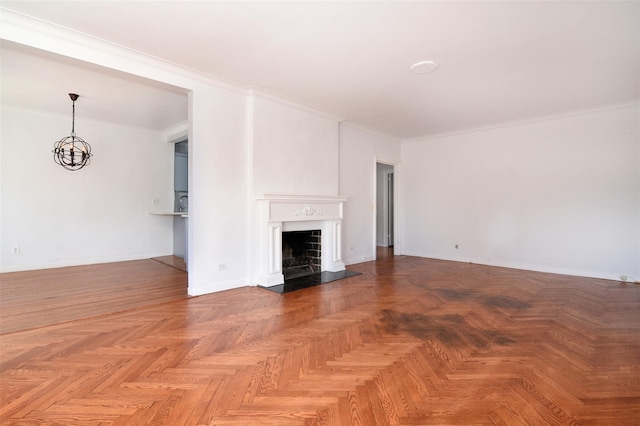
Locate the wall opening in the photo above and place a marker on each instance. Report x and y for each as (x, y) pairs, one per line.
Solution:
(385, 207)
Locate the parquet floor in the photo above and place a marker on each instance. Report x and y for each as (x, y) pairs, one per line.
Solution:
(382, 252)
(173, 261)
(39, 298)
(411, 341)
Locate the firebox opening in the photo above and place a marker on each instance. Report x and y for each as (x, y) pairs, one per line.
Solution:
(301, 253)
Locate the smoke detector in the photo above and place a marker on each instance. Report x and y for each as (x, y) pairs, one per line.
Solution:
(424, 67)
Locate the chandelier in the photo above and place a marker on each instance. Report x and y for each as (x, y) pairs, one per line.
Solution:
(71, 152)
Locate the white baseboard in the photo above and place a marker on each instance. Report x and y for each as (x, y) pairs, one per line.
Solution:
(199, 290)
(355, 260)
(520, 265)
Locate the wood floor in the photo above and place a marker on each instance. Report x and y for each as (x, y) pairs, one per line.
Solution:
(38, 298)
(174, 261)
(410, 341)
(382, 252)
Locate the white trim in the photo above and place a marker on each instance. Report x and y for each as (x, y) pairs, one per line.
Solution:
(301, 198)
(30, 31)
(27, 30)
(356, 260)
(385, 209)
(346, 122)
(200, 290)
(177, 133)
(296, 104)
(526, 120)
(82, 262)
(397, 209)
(519, 266)
(397, 200)
(374, 210)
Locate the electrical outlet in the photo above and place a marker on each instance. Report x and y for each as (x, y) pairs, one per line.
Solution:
(15, 250)
(155, 201)
(222, 266)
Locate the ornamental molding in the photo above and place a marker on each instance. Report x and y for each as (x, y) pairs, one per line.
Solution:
(307, 211)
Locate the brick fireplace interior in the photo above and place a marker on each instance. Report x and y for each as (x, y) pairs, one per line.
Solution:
(301, 253)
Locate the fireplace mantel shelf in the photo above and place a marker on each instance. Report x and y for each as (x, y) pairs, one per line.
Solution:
(301, 198)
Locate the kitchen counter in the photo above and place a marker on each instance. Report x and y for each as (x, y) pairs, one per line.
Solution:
(181, 214)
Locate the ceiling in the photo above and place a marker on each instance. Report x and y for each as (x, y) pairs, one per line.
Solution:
(498, 60)
(42, 81)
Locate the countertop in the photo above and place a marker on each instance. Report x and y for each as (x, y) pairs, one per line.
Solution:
(181, 214)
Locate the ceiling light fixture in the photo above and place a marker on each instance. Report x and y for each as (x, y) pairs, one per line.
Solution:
(424, 67)
(71, 152)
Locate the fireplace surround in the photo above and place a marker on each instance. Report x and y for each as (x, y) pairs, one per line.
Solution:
(278, 213)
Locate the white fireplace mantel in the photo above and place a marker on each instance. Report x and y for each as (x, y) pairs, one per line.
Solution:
(279, 213)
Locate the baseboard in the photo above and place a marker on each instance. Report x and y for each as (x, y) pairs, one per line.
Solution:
(519, 265)
(356, 260)
(81, 262)
(202, 289)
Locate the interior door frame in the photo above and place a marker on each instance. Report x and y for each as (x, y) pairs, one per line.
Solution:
(388, 205)
(397, 213)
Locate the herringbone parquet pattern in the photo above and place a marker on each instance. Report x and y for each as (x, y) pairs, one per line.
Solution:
(410, 341)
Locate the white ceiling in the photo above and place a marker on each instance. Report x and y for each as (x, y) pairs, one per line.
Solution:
(498, 60)
(42, 81)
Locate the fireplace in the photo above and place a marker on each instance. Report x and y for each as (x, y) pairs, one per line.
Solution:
(278, 215)
(301, 253)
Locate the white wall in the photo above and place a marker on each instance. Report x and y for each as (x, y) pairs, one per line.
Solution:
(218, 160)
(218, 190)
(560, 194)
(295, 151)
(359, 151)
(97, 214)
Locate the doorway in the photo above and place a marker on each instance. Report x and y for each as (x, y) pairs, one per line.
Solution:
(385, 210)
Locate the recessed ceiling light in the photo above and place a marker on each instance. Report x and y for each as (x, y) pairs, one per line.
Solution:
(424, 67)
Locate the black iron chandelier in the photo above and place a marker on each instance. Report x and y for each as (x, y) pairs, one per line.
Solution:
(72, 152)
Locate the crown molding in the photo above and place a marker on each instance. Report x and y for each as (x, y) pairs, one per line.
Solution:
(527, 120)
(177, 132)
(392, 138)
(258, 93)
(29, 31)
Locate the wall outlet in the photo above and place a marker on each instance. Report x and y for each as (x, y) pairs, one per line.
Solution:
(222, 266)
(15, 250)
(155, 201)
